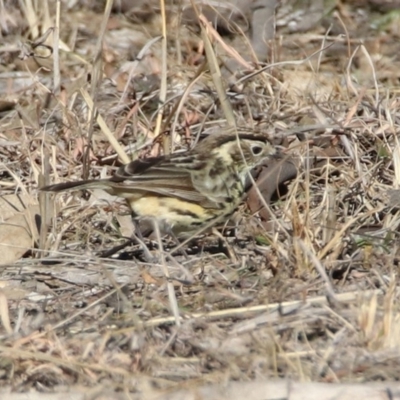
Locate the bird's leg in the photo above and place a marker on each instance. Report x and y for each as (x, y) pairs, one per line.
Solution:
(138, 238)
(223, 240)
(175, 239)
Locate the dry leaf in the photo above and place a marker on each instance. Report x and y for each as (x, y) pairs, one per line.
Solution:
(18, 231)
(13, 203)
(4, 314)
(151, 280)
(126, 226)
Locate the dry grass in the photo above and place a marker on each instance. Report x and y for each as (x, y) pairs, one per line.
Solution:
(311, 295)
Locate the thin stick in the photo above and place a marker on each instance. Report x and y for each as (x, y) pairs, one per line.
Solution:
(281, 307)
(319, 267)
(163, 85)
(56, 53)
(215, 71)
(104, 128)
(171, 291)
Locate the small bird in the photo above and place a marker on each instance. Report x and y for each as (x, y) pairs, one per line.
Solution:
(186, 191)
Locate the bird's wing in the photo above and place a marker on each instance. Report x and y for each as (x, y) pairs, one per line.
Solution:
(163, 176)
(180, 187)
(134, 172)
(162, 167)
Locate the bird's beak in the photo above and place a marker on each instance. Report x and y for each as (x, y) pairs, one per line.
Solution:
(280, 153)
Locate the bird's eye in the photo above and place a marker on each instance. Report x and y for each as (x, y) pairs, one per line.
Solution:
(256, 150)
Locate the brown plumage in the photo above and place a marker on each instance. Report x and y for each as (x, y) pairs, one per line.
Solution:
(184, 191)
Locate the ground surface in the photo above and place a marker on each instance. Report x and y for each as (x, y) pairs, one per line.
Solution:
(308, 291)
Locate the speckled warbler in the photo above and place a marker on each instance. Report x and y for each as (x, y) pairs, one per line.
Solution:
(186, 190)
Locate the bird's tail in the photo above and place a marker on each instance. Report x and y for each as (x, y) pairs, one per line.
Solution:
(79, 185)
